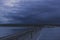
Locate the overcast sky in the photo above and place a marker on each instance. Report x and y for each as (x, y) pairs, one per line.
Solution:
(30, 11)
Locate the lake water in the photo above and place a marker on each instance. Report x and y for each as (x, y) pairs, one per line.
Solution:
(5, 31)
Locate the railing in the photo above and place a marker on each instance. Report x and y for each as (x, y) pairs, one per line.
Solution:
(18, 35)
(25, 35)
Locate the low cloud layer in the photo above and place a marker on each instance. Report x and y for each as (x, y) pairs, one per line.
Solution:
(30, 11)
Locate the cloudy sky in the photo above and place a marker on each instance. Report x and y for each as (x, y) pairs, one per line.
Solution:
(29, 11)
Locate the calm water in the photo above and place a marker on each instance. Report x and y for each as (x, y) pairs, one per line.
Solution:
(5, 31)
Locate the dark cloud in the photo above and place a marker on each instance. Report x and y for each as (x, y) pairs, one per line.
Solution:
(33, 11)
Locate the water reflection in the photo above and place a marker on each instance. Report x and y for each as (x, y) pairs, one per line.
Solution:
(5, 31)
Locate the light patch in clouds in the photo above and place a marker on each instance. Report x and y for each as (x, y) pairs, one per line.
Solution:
(10, 3)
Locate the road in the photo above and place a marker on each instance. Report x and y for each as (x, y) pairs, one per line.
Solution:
(49, 34)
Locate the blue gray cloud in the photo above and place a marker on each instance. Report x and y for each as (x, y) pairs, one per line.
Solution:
(30, 11)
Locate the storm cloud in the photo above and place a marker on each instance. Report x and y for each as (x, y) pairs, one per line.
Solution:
(29, 11)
